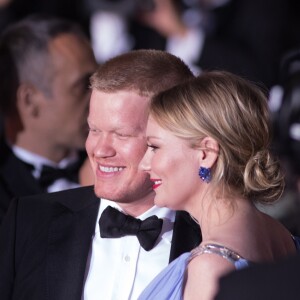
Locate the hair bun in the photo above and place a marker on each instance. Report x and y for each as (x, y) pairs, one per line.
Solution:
(264, 181)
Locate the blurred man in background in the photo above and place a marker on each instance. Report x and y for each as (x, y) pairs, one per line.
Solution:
(45, 64)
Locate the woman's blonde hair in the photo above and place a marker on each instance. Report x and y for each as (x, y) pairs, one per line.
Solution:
(235, 113)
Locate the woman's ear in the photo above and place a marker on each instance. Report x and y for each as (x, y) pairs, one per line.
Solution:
(209, 152)
(27, 101)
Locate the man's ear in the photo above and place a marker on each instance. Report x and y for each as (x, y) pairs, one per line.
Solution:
(209, 152)
(28, 101)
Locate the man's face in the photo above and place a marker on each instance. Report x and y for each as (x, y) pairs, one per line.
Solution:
(115, 145)
(65, 110)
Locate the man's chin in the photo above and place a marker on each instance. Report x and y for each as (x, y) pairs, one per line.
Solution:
(102, 193)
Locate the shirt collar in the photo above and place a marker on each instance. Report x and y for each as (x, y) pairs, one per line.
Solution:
(37, 161)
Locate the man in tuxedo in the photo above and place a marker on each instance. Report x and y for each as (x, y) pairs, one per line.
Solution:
(65, 245)
(45, 63)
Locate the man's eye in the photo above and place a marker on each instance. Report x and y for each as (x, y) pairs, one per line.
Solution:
(93, 130)
(123, 135)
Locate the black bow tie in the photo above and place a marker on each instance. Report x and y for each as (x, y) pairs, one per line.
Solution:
(114, 223)
(50, 174)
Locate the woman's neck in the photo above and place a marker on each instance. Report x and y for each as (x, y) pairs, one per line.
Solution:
(219, 216)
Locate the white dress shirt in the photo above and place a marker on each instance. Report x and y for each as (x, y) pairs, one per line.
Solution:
(38, 161)
(119, 268)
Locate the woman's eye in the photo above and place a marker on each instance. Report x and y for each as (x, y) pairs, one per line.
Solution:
(152, 147)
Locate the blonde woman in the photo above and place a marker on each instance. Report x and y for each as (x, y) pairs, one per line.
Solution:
(208, 154)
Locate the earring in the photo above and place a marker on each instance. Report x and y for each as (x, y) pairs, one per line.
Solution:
(205, 174)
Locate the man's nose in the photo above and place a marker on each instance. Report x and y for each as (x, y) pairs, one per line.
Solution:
(104, 146)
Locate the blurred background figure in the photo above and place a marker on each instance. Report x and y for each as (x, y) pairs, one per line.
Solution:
(284, 103)
(14, 10)
(86, 175)
(45, 64)
(246, 37)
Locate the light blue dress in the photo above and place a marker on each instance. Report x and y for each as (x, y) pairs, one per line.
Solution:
(168, 284)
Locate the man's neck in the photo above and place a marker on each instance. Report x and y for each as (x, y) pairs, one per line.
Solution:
(138, 207)
(42, 148)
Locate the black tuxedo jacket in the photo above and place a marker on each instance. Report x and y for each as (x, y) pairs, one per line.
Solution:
(263, 282)
(16, 179)
(45, 241)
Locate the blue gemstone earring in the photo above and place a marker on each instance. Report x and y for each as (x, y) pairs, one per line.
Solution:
(205, 174)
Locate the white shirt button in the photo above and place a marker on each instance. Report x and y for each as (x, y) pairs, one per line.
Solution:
(127, 258)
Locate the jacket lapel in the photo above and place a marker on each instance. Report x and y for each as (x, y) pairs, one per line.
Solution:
(186, 235)
(69, 239)
(15, 174)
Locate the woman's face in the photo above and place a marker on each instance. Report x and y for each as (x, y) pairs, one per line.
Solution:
(173, 167)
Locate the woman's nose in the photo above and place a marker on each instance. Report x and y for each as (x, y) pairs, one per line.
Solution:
(145, 163)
